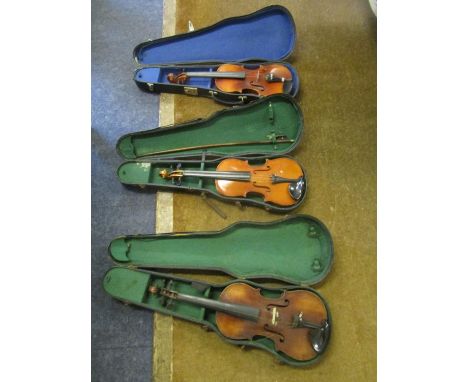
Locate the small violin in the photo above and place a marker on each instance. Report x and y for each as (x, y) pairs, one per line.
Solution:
(297, 321)
(280, 181)
(264, 80)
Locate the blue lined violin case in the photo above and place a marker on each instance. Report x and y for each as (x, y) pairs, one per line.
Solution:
(264, 37)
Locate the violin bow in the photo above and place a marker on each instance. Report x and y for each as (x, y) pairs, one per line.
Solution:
(272, 139)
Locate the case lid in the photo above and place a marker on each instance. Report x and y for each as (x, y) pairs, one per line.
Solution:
(271, 126)
(266, 35)
(296, 249)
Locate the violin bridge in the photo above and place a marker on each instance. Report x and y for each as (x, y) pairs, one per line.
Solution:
(274, 316)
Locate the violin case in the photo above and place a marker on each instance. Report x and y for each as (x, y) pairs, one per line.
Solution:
(296, 250)
(265, 120)
(264, 37)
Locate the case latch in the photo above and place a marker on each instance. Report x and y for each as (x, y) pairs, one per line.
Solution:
(150, 86)
(190, 91)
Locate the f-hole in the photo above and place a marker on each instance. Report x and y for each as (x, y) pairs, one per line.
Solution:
(266, 327)
(257, 86)
(281, 304)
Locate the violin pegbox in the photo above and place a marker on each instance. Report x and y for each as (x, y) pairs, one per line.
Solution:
(174, 174)
(177, 180)
(168, 302)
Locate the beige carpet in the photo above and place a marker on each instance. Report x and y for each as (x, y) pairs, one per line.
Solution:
(335, 56)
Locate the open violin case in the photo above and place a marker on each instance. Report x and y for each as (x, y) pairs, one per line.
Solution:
(264, 37)
(296, 251)
(269, 128)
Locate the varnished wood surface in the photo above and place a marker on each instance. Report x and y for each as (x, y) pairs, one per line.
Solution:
(294, 342)
(260, 179)
(255, 79)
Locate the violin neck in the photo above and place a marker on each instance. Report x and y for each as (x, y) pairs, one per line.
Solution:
(222, 175)
(242, 311)
(238, 75)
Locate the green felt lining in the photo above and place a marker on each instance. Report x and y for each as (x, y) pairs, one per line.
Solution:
(131, 286)
(296, 249)
(147, 173)
(259, 121)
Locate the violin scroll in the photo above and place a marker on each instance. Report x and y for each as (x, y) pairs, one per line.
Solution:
(180, 78)
(166, 174)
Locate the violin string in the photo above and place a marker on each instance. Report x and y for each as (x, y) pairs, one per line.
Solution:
(256, 178)
(287, 324)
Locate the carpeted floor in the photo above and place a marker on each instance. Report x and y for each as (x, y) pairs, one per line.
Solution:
(335, 55)
(121, 337)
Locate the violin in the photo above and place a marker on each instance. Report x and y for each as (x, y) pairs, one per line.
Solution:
(297, 321)
(280, 181)
(264, 80)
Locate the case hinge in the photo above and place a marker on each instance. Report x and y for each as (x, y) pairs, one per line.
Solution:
(190, 91)
(212, 93)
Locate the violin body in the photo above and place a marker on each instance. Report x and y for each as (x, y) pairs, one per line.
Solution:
(276, 319)
(255, 79)
(261, 181)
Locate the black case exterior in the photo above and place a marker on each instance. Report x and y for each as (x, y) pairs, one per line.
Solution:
(251, 60)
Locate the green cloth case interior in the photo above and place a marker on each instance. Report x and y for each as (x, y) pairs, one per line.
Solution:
(275, 120)
(131, 286)
(296, 249)
(262, 121)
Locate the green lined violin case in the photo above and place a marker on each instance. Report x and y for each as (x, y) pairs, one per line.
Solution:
(275, 123)
(264, 37)
(296, 250)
